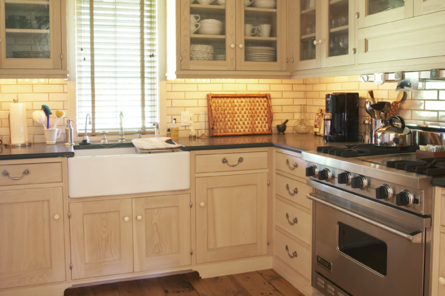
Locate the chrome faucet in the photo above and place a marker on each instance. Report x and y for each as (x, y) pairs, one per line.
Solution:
(156, 125)
(121, 131)
(86, 140)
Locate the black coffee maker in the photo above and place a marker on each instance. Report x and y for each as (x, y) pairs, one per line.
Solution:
(341, 118)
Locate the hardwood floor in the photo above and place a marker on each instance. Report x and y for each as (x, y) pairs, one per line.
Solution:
(259, 283)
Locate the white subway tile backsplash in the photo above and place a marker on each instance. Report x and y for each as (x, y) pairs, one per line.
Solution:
(424, 115)
(435, 105)
(424, 95)
(442, 95)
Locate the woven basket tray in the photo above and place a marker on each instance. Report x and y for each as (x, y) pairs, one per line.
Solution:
(231, 115)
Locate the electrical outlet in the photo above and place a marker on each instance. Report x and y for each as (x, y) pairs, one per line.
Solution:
(185, 118)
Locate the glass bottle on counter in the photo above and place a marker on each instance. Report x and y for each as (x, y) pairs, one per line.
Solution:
(174, 130)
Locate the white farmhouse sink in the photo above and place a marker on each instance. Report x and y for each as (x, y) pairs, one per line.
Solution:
(117, 171)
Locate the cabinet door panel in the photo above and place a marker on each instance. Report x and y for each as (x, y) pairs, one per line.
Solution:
(441, 264)
(231, 217)
(31, 244)
(162, 232)
(34, 42)
(428, 6)
(418, 37)
(101, 238)
(307, 21)
(261, 36)
(376, 12)
(215, 46)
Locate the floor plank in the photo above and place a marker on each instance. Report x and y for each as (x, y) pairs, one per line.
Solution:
(217, 286)
(177, 284)
(255, 284)
(150, 287)
(279, 283)
(258, 283)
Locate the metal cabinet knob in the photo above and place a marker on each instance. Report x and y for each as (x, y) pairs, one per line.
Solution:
(139, 218)
(56, 217)
(241, 46)
(315, 42)
(441, 281)
(126, 219)
(232, 45)
(357, 15)
(202, 204)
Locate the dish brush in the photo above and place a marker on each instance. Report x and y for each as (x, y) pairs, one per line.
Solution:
(48, 112)
(59, 114)
(39, 117)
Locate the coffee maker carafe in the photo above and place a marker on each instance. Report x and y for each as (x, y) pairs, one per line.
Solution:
(341, 118)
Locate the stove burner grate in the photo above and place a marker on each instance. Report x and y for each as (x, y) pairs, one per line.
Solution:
(363, 150)
(429, 166)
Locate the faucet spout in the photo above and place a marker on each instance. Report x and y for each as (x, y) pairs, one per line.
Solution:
(156, 125)
(121, 130)
(86, 140)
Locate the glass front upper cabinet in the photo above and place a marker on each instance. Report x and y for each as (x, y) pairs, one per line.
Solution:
(208, 35)
(308, 26)
(376, 12)
(338, 28)
(29, 34)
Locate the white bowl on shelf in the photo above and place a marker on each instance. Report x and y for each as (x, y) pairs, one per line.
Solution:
(211, 22)
(210, 30)
(265, 3)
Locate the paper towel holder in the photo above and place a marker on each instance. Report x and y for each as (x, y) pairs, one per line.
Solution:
(26, 144)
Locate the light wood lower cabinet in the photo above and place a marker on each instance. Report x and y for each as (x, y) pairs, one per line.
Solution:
(101, 238)
(231, 217)
(31, 237)
(124, 235)
(162, 237)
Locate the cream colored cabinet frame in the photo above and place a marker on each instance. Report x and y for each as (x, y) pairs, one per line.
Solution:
(185, 38)
(55, 60)
(241, 63)
(162, 232)
(32, 236)
(322, 35)
(365, 20)
(422, 7)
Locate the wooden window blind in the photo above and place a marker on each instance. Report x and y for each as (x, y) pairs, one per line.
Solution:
(116, 64)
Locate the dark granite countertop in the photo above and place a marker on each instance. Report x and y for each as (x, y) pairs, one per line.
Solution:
(36, 151)
(293, 142)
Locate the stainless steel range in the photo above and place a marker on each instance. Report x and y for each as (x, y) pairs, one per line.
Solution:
(371, 223)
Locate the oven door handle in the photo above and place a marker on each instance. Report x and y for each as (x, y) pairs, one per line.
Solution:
(415, 238)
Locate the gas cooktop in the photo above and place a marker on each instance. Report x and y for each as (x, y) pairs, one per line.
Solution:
(363, 150)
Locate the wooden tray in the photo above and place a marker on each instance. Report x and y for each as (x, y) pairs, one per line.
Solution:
(427, 154)
(233, 115)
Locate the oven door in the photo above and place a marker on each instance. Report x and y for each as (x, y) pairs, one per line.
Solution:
(366, 251)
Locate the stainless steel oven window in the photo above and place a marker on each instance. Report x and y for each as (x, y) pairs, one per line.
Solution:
(364, 248)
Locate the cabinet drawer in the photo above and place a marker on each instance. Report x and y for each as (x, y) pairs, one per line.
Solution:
(290, 164)
(293, 190)
(294, 221)
(227, 162)
(35, 173)
(294, 254)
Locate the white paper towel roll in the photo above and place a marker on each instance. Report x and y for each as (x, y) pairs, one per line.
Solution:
(17, 123)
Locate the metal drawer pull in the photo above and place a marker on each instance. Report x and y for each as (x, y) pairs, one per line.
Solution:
(415, 237)
(224, 161)
(293, 255)
(291, 193)
(293, 222)
(6, 174)
(295, 165)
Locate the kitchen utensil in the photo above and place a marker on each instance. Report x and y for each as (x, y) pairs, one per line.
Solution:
(384, 107)
(265, 3)
(368, 129)
(59, 114)
(393, 135)
(48, 112)
(371, 94)
(369, 109)
(395, 106)
(282, 127)
(39, 117)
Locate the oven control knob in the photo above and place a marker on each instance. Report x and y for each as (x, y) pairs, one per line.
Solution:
(384, 192)
(344, 178)
(325, 175)
(312, 171)
(404, 198)
(359, 182)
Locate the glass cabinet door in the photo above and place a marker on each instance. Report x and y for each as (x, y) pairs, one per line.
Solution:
(306, 34)
(30, 31)
(376, 12)
(207, 35)
(261, 35)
